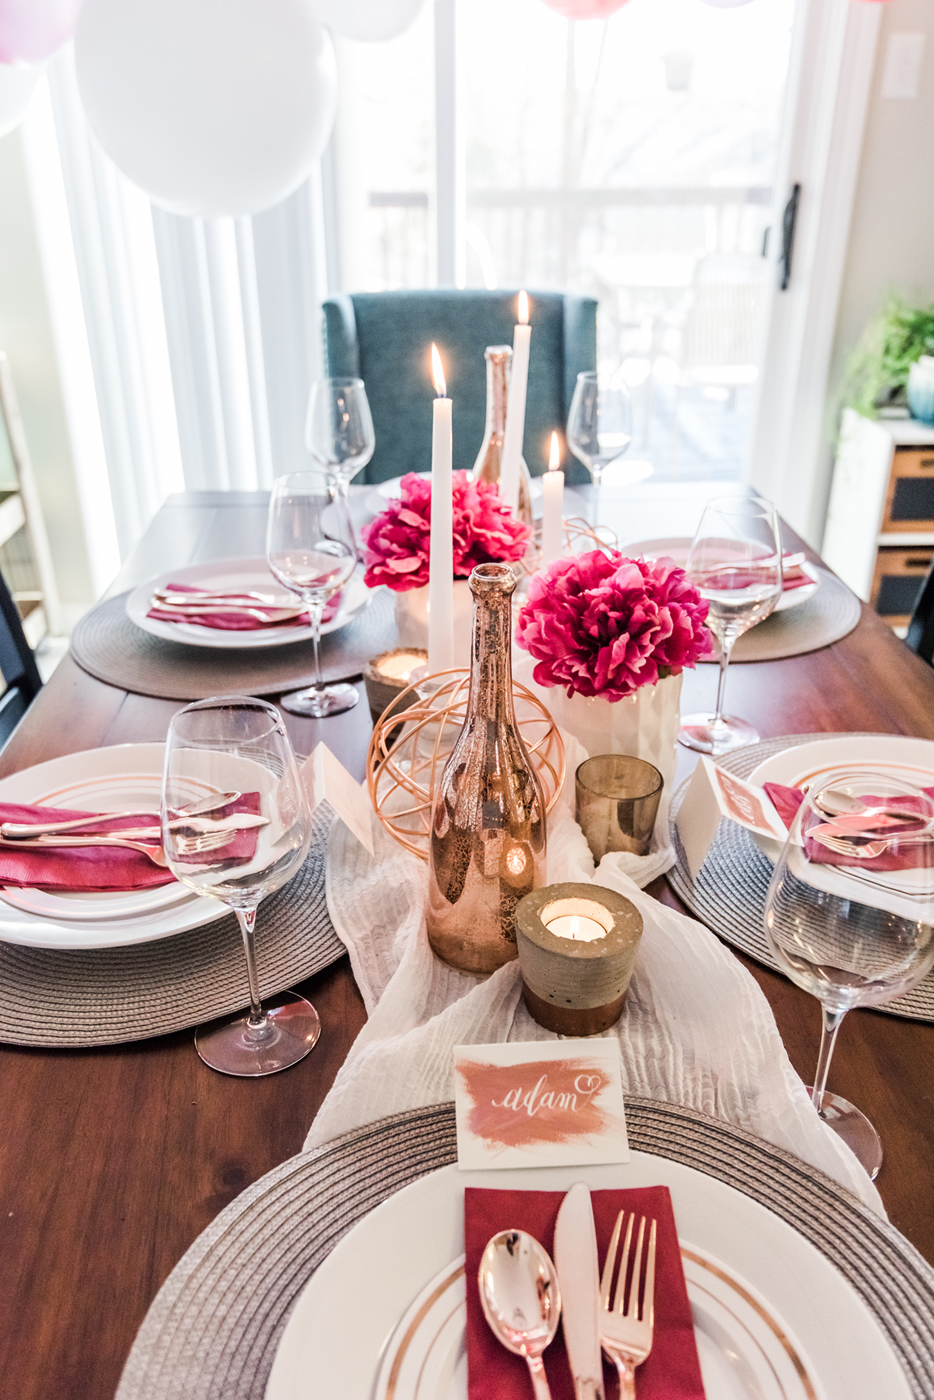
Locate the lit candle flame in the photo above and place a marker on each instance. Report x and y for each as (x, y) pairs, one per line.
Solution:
(523, 309)
(554, 458)
(437, 373)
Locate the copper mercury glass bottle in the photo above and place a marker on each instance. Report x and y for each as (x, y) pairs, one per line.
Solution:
(487, 841)
(489, 458)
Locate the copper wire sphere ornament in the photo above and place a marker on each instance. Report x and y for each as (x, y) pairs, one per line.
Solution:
(401, 776)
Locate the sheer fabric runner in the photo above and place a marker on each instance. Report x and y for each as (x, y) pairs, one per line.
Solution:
(696, 1029)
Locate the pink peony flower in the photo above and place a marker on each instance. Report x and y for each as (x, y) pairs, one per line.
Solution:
(398, 543)
(602, 624)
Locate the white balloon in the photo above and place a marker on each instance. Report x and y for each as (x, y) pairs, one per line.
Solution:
(367, 19)
(17, 85)
(212, 106)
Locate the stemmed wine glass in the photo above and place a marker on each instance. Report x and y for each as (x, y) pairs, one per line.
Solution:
(599, 425)
(237, 745)
(310, 548)
(339, 428)
(857, 933)
(736, 564)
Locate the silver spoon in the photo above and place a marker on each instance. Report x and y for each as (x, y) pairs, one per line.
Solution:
(22, 831)
(521, 1299)
(840, 804)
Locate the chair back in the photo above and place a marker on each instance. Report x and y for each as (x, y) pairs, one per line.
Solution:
(920, 634)
(384, 338)
(20, 674)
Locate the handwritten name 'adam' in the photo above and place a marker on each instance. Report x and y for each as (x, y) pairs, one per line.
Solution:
(540, 1098)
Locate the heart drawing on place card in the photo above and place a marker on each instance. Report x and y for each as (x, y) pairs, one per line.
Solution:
(528, 1104)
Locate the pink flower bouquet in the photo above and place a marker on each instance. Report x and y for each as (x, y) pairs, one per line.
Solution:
(602, 624)
(398, 540)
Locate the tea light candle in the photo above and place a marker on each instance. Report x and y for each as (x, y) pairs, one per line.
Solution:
(552, 506)
(387, 675)
(577, 948)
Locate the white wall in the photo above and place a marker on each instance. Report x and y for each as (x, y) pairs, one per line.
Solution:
(26, 336)
(891, 245)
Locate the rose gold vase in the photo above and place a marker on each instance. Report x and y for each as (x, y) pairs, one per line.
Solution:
(489, 459)
(487, 843)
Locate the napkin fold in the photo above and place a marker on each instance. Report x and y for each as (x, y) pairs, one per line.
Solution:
(234, 621)
(102, 868)
(787, 800)
(670, 1372)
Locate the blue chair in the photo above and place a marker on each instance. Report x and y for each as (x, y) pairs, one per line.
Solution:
(384, 338)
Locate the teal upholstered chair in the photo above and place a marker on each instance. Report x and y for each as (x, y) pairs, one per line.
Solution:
(385, 339)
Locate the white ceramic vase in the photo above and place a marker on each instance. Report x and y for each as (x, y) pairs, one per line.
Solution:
(644, 725)
(412, 619)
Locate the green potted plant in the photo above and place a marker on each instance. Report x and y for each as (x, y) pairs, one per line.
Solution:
(878, 369)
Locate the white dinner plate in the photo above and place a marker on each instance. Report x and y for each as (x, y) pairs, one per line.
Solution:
(343, 1323)
(894, 755)
(678, 548)
(124, 777)
(745, 1351)
(227, 575)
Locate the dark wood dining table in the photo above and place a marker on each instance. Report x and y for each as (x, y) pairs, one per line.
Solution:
(113, 1160)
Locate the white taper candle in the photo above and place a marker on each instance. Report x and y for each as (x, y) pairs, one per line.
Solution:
(515, 413)
(552, 507)
(441, 564)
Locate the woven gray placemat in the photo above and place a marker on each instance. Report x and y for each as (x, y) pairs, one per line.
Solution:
(213, 1329)
(111, 648)
(729, 892)
(828, 615)
(105, 996)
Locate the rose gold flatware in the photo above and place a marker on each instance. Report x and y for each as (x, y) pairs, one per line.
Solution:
(626, 1336)
(189, 845)
(13, 831)
(521, 1299)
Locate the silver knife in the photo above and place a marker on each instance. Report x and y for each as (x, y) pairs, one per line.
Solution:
(579, 1277)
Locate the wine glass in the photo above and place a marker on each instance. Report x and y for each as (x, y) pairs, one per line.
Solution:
(237, 745)
(736, 564)
(339, 428)
(310, 548)
(599, 425)
(857, 933)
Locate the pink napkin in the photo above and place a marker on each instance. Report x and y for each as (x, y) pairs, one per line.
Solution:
(787, 800)
(234, 621)
(670, 1372)
(103, 867)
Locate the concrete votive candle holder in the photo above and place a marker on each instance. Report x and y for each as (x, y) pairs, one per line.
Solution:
(577, 948)
(386, 676)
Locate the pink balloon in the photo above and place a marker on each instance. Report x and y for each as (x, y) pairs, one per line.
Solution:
(30, 30)
(585, 9)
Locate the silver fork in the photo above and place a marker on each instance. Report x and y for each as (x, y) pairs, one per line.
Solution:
(187, 845)
(626, 1337)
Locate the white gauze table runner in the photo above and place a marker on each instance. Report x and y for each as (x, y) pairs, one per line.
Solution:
(695, 1030)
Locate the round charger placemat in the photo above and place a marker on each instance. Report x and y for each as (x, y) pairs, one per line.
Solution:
(213, 1328)
(828, 615)
(113, 649)
(107, 996)
(729, 892)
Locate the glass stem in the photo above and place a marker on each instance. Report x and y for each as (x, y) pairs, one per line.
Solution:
(246, 918)
(726, 647)
(315, 613)
(832, 1021)
(597, 473)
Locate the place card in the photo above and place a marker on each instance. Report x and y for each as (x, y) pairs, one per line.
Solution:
(539, 1104)
(327, 780)
(713, 794)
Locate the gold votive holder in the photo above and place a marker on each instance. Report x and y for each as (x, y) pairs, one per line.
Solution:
(386, 676)
(616, 803)
(577, 948)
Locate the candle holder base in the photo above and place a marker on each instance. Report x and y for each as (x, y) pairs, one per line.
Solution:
(573, 1020)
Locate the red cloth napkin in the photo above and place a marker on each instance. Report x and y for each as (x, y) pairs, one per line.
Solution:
(234, 621)
(103, 867)
(671, 1371)
(787, 800)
